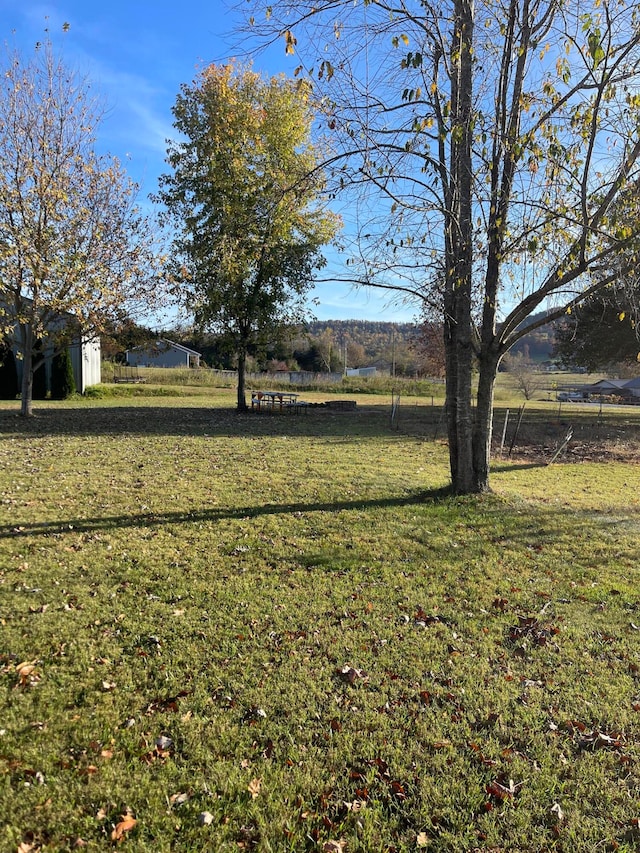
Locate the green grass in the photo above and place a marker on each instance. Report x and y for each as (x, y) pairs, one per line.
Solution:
(173, 570)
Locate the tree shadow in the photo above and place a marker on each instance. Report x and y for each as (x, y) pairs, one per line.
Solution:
(192, 421)
(153, 519)
(505, 468)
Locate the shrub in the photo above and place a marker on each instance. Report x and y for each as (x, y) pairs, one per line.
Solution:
(63, 384)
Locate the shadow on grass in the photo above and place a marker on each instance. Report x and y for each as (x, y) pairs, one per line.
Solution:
(192, 421)
(92, 525)
(507, 467)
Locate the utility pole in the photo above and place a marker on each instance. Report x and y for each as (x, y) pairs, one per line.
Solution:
(393, 352)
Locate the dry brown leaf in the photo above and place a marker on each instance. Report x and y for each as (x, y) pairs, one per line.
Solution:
(351, 675)
(422, 839)
(254, 787)
(126, 825)
(333, 846)
(26, 672)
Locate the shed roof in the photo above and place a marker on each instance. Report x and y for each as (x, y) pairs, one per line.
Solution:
(169, 345)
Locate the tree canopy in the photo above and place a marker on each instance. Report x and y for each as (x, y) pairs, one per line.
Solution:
(601, 333)
(73, 247)
(243, 196)
(492, 149)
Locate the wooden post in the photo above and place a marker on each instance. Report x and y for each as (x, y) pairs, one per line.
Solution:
(504, 431)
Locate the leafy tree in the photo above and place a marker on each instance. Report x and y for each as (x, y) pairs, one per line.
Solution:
(356, 355)
(73, 248)
(600, 333)
(428, 346)
(63, 384)
(8, 373)
(122, 333)
(243, 197)
(492, 149)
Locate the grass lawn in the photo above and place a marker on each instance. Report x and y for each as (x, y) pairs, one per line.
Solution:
(278, 633)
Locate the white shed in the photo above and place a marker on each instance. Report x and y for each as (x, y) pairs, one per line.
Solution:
(85, 353)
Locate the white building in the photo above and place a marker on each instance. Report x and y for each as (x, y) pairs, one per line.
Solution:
(85, 354)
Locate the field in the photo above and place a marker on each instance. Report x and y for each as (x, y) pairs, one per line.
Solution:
(224, 632)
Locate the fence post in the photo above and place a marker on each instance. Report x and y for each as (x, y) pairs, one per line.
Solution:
(517, 429)
(504, 431)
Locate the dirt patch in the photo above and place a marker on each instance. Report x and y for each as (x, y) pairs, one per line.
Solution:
(587, 444)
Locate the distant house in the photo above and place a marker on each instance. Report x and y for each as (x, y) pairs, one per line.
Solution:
(633, 387)
(624, 388)
(607, 388)
(163, 353)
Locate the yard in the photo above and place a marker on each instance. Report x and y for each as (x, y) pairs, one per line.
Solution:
(278, 633)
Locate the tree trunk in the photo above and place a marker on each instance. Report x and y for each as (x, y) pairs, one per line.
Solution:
(26, 338)
(483, 422)
(458, 320)
(242, 400)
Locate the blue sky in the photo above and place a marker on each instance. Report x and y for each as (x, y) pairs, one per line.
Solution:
(136, 54)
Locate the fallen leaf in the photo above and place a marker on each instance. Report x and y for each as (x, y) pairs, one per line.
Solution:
(332, 846)
(205, 819)
(351, 675)
(179, 798)
(254, 787)
(27, 672)
(557, 812)
(126, 825)
(422, 839)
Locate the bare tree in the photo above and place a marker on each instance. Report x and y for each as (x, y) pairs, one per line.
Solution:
(526, 375)
(491, 150)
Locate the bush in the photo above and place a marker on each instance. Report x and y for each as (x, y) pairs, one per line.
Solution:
(8, 374)
(63, 384)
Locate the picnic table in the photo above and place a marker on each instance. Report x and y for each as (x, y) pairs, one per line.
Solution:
(274, 401)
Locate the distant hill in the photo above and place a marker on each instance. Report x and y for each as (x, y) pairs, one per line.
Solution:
(374, 335)
(537, 346)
